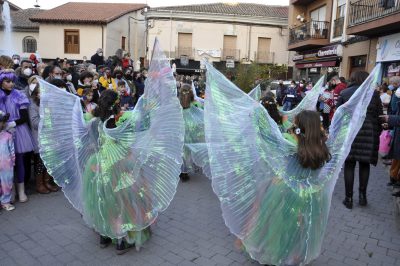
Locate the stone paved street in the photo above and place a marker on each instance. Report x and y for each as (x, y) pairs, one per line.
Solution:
(48, 231)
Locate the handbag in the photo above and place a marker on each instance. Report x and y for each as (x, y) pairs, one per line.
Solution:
(384, 142)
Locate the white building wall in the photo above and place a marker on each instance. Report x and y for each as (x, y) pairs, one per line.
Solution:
(17, 37)
(51, 40)
(120, 27)
(210, 36)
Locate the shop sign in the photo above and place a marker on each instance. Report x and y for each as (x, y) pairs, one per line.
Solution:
(212, 53)
(313, 70)
(230, 63)
(184, 60)
(327, 51)
(317, 64)
(389, 48)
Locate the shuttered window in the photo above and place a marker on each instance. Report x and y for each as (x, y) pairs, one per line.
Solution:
(71, 41)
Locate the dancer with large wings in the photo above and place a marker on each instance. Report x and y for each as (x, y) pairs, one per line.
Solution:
(275, 206)
(119, 174)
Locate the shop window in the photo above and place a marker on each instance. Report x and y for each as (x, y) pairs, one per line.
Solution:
(29, 44)
(71, 41)
(358, 63)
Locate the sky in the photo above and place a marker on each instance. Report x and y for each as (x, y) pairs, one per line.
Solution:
(47, 4)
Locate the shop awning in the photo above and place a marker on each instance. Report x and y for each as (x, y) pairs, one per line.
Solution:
(317, 64)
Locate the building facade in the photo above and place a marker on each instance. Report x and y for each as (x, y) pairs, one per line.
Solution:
(25, 33)
(352, 28)
(76, 30)
(225, 34)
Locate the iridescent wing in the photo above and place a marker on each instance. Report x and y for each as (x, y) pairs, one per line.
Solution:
(66, 142)
(309, 102)
(133, 173)
(256, 93)
(276, 207)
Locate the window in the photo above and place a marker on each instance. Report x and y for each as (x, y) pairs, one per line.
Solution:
(263, 51)
(71, 41)
(185, 45)
(29, 45)
(318, 14)
(341, 9)
(230, 51)
(123, 41)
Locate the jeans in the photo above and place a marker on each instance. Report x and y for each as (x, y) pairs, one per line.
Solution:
(287, 106)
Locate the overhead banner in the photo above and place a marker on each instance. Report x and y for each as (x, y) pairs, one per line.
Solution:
(388, 48)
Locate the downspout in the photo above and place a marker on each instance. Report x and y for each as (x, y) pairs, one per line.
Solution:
(249, 48)
(102, 37)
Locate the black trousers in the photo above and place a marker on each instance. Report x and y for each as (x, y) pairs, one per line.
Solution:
(363, 174)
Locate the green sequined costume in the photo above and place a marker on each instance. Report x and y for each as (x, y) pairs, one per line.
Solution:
(119, 178)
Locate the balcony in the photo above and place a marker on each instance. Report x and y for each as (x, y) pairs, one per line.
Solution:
(230, 54)
(184, 51)
(262, 57)
(300, 2)
(309, 35)
(373, 17)
(338, 27)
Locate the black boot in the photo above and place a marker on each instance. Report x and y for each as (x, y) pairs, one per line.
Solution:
(391, 182)
(105, 241)
(184, 177)
(362, 197)
(348, 202)
(397, 194)
(123, 247)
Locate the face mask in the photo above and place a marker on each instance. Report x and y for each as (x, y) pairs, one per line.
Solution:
(100, 54)
(57, 77)
(16, 62)
(69, 77)
(95, 82)
(301, 85)
(292, 86)
(391, 87)
(27, 72)
(32, 87)
(397, 93)
(119, 76)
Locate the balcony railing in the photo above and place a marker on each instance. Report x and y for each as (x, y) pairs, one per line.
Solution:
(264, 57)
(338, 27)
(231, 54)
(310, 30)
(362, 11)
(184, 51)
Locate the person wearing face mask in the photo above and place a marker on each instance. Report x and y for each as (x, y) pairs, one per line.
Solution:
(55, 73)
(280, 92)
(394, 85)
(16, 59)
(290, 97)
(107, 81)
(126, 100)
(23, 73)
(16, 103)
(85, 82)
(67, 77)
(119, 76)
(98, 58)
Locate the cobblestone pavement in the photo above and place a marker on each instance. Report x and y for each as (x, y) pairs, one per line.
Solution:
(48, 231)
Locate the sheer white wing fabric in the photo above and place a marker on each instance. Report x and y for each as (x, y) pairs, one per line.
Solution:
(277, 208)
(309, 102)
(256, 93)
(121, 178)
(66, 142)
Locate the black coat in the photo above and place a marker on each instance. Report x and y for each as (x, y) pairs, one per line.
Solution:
(366, 144)
(394, 122)
(97, 60)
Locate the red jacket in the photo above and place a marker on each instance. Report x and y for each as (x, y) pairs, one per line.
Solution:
(337, 90)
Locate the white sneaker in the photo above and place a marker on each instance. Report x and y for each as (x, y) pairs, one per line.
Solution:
(21, 193)
(8, 206)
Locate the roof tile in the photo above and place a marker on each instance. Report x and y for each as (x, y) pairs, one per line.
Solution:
(76, 12)
(242, 9)
(20, 19)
